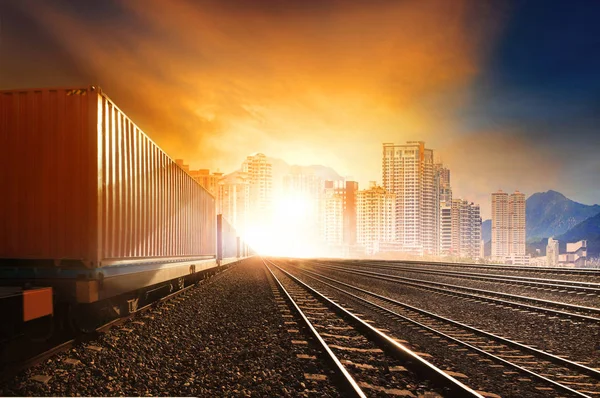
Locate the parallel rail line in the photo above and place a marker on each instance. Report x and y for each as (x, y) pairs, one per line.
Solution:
(421, 367)
(585, 287)
(594, 272)
(560, 309)
(563, 370)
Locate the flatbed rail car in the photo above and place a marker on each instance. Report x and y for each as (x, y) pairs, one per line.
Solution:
(91, 206)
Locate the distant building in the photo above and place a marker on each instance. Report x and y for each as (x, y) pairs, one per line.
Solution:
(516, 224)
(443, 227)
(233, 199)
(552, 253)
(333, 217)
(375, 218)
(576, 255)
(202, 176)
(259, 172)
(346, 191)
(508, 228)
(500, 225)
(408, 173)
(465, 229)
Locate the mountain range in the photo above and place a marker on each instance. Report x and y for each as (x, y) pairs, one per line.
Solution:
(551, 214)
(280, 168)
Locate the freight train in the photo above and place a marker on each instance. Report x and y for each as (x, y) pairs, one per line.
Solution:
(94, 217)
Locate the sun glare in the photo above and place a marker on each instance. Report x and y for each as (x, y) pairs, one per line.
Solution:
(292, 231)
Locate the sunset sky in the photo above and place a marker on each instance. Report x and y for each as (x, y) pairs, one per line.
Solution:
(507, 93)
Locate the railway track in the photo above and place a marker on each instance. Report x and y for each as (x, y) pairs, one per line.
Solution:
(366, 360)
(558, 285)
(560, 374)
(501, 269)
(554, 308)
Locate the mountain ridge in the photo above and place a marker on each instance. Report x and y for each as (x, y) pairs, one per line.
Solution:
(551, 213)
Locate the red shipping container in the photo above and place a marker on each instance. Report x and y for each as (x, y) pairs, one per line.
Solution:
(81, 182)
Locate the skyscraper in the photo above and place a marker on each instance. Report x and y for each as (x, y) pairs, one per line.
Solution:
(259, 172)
(408, 173)
(375, 218)
(500, 247)
(333, 216)
(346, 190)
(516, 224)
(508, 227)
(443, 228)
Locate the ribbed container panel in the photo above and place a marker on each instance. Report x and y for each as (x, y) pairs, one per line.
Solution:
(80, 181)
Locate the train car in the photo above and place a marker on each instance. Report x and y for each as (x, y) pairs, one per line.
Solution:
(92, 207)
(227, 251)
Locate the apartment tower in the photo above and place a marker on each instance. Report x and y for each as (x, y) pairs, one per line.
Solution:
(444, 209)
(375, 218)
(259, 172)
(500, 247)
(508, 226)
(346, 191)
(408, 173)
(516, 224)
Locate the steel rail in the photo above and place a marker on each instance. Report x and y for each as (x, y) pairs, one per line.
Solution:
(573, 365)
(562, 361)
(527, 281)
(343, 374)
(517, 268)
(424, 368)
(435, 286)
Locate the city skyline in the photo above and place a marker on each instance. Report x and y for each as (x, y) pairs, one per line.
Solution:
(466, 77)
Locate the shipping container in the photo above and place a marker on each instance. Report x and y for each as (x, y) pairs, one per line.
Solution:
(84, 188)
(226, 239)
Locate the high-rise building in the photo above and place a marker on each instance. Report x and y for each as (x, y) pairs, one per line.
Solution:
(465, 229)
(233, 199)
(446, 229)
(375, 218)
(508, 227)
(516, 224)
(346, 190)
(333, 217)
(500, 246)
(552, 252)
(444, 208)
(408, 173)
(259, 171)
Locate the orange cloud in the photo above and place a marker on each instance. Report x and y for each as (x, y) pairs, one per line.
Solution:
(311, 82)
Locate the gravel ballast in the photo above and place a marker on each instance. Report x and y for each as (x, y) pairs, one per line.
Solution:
(570, 338)
(479, 372)
(225, 338)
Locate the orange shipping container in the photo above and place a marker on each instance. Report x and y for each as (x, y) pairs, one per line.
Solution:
(82, 183)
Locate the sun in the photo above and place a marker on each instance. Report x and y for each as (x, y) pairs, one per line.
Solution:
(292, 231)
